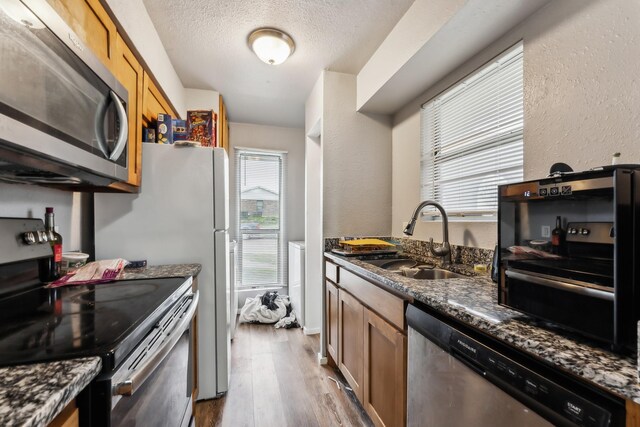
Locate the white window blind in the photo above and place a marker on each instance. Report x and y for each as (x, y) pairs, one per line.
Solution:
(260, 204)
(472, 139)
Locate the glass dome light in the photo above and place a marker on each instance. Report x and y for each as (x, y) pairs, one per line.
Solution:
(271, 46)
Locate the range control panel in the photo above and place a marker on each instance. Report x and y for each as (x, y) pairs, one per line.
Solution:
(591, 232)
(22, 239)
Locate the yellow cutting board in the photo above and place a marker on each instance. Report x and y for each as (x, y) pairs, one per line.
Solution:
(365, 242)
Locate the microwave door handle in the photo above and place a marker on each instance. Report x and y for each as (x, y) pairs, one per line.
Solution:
(564, 286)
(140, 375)
(98, 125)
(124, 127)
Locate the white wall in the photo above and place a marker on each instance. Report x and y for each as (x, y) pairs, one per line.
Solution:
(581, 60)
(199, 99)
(314, 243)
(134, 18)
(290, 140)
(356, 150)
(73, 211)
(421, 21)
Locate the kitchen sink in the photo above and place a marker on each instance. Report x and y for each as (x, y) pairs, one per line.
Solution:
(431, 274)
(412, 268)
(393, 264)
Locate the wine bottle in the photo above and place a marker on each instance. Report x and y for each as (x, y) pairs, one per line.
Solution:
(50, 266)
(557, 237)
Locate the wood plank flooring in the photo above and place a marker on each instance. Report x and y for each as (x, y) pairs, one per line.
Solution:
(277, 381)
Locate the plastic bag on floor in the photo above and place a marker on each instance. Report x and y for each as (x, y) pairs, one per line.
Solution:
(254, 311)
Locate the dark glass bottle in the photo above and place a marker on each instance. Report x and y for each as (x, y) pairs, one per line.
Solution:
(557, 238)
(50, 267)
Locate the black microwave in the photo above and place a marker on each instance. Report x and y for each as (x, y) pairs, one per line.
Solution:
(63, 114)
(583, 275)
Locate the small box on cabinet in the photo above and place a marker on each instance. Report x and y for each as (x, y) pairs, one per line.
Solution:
(201, 127)
(164, 129)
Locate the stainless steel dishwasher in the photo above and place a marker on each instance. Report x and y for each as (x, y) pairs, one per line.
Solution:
(455, 380)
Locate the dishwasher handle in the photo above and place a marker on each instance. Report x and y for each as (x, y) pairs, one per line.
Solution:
(469, 362)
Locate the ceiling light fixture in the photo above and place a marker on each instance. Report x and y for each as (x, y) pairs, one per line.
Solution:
(271, 46)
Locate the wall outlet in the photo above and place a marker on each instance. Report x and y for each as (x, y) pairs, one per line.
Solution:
(546, 231)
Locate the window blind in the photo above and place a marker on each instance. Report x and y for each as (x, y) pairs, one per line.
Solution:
(260, 224)
(472, 139)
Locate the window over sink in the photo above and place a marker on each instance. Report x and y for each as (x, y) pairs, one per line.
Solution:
(472, 140)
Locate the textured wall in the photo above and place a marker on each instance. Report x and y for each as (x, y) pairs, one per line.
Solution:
(290, 140)
(356, 150)
(314, 242)
(423, 19)
(73, 211)
(582, 98)
(581, 60)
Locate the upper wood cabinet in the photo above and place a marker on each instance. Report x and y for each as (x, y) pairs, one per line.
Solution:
(153, 102)
(90, 21)
(130, 73)
(223, 126)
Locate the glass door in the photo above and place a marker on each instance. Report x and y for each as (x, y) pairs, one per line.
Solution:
(260, 194)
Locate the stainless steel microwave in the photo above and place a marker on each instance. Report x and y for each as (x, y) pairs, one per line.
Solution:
(63, 114)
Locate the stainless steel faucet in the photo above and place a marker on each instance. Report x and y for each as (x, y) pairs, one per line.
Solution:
(445, 250)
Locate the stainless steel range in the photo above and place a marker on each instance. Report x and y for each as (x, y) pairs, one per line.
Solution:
(590, 283)
(141, 329)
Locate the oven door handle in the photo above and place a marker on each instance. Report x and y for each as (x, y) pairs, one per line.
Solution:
(557, 284)
(140, 375)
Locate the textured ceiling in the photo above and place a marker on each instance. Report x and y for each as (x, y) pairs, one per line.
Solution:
(207, 43)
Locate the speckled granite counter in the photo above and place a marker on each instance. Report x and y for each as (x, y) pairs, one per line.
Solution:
(161, 271)
(473, 300)
(32, 395)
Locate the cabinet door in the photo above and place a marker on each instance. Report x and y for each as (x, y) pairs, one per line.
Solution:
(91, 22)
(153, 102)
(223, 127)
(351, 340)
(130, 73)
(385, 378)
(332, 320)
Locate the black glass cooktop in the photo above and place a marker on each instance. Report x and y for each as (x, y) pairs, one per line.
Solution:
(596, 271)
(104, 320)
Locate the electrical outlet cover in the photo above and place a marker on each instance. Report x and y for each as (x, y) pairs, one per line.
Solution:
(546, 231)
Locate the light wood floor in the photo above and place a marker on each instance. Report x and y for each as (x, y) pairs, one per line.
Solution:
(277, 381)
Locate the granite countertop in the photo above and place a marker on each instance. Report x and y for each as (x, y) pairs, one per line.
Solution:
(161, 271)
(474, 300)
(32, 395)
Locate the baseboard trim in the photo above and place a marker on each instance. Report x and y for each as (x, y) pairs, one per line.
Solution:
(311, 331)
(322, 360)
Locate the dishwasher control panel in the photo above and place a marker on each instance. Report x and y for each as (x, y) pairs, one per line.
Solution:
(501, 370)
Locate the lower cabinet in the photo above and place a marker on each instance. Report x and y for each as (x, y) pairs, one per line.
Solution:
(351, 341)
(385, 373)
(69, 417)
(332, 320)
(369, 350)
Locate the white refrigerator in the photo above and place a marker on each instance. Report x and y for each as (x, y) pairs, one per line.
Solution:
(180, 216)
